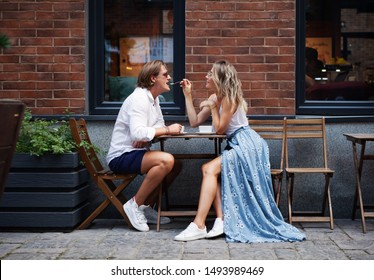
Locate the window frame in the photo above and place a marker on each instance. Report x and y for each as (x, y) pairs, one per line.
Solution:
(315, 107)
(95, 66)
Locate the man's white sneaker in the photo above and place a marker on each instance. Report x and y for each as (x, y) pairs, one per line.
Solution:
(192, 232)
(151, 215)
(135, 215)
(217, 229)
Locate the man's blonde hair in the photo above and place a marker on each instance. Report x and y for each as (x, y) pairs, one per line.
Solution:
(151, 68)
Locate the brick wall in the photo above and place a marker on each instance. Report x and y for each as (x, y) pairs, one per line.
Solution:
(45, 67)
(258, 37)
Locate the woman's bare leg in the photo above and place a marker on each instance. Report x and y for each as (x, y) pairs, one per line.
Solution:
(217, 203)
(208, 192)
(157, 165)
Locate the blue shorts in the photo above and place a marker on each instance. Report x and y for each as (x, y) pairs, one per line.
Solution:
(130, 162)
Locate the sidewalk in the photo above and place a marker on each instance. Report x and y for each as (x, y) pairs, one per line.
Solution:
(112, 239)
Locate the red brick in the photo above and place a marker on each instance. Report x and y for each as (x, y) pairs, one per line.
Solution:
(69, 76)
(259, 6)
(79, 103)
(35, 76)
(9, 94)
(78, 67)
(42, 85)
(40, 111)
(35, 6)
(19, 15)
(6, 6)
(35, 94)
(19, 85)
(52, 102)
(19, 67)
(9, 76)
(72, 94)
(77, 85)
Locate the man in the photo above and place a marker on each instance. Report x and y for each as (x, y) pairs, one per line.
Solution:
(139, 121)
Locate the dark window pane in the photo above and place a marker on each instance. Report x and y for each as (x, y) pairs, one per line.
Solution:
(123, 35)
(339, 56)
(135, 33)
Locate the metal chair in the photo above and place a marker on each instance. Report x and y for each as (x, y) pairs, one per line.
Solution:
(11, 115)
(273, 130)
(103, 178)
(308, 137)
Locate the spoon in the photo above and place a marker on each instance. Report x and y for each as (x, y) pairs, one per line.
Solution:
(174, 83)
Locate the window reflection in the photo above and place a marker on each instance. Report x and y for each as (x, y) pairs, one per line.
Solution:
(135, 33)
(339, 56)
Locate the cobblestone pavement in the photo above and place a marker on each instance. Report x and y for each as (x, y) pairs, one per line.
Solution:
(113, 240)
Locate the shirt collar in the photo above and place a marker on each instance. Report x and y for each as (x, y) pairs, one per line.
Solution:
(150, 96)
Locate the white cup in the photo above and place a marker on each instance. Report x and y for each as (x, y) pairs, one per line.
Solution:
(205, 128)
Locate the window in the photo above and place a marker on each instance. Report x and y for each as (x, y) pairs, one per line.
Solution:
(125, 34)
(335, 57)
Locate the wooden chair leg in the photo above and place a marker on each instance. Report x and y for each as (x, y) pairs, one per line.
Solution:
(94, 214)
(112, 196)
(329, 203)
(325, 195)
(354, 206)
(278, 190)
(113, 192)
(289, 196)
(273, 182)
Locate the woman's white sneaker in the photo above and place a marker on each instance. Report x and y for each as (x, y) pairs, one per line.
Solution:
(192, 232)
(217, 229)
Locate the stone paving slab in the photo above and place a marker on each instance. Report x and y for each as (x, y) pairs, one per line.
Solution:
(113, 240)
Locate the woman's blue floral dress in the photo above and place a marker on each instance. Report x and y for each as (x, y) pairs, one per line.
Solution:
(250, 212)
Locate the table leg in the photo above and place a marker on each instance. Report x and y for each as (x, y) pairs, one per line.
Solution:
(217, 146)
(358, 195)
(159, 208)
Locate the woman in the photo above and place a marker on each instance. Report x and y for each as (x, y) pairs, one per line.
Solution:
(246, 201)
(140, 120)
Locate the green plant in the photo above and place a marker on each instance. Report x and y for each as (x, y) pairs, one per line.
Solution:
(40, 136)
(4, 41)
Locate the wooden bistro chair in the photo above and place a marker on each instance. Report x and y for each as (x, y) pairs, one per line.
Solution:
(273, 130)
(103, 178)
(308, 137)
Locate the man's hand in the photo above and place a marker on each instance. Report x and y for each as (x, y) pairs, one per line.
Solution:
(140, 144)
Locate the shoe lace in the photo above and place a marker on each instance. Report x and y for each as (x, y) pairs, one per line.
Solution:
(140, 215)
(189, 229)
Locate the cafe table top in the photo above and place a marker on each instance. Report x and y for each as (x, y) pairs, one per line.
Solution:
(187, 135)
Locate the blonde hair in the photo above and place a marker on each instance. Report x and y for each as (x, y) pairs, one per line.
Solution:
(228, 84)
(151, 68)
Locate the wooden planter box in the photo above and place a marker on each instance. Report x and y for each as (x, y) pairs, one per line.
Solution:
(50, 191)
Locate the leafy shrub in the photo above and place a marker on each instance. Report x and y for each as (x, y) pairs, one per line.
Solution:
(39, 136)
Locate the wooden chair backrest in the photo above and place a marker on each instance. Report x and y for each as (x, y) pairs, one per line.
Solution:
(11, 116)
(306, 129)
(273, 130)
(86, 151)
